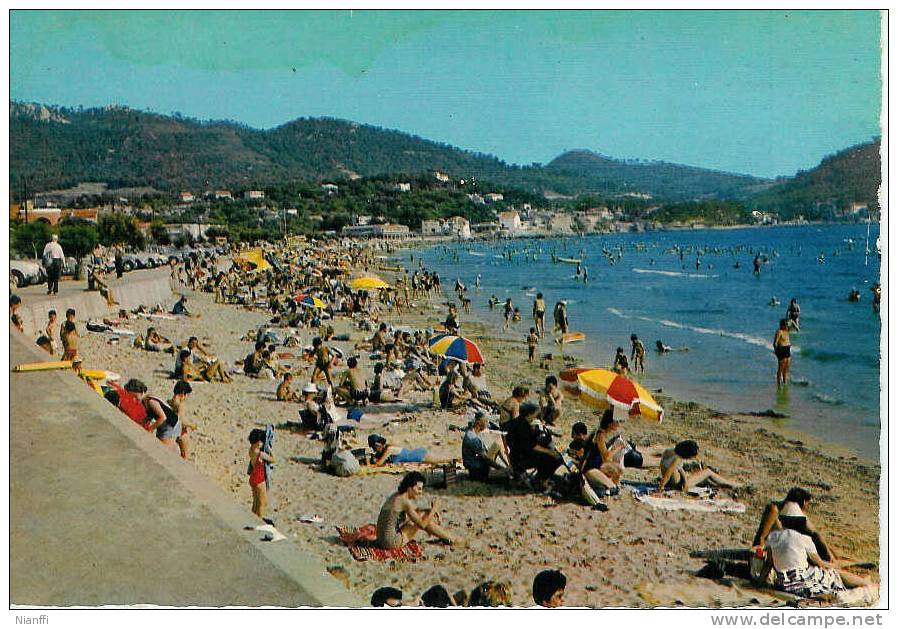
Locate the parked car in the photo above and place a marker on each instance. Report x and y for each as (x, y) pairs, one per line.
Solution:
(27, 272)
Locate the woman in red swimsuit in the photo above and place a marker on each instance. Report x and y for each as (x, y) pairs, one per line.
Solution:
(257, 476)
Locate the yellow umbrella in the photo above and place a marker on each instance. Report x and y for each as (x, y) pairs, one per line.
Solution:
(603, 386)
(367, 283)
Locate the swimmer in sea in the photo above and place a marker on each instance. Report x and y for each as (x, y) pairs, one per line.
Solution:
(661, 348)
(854, 295)
(774, 301)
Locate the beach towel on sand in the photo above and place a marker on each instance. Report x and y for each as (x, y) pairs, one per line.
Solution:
(700, 499)
(362, 544)
(681, 503)
(393, 468)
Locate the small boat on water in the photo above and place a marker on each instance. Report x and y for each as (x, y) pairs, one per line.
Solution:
(569, 260)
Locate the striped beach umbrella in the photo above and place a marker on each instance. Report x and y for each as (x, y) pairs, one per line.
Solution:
(456, 347)
(601, 386)
(309, 301)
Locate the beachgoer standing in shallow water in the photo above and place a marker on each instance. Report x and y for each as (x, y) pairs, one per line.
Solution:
(400, 521)
(257, 474)
(507, 311)
(637, 353)
(782, 347)
(539, 315)
(757, 264)
(560, 316)
(794, 313)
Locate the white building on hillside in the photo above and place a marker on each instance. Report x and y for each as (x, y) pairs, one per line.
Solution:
(510, 222)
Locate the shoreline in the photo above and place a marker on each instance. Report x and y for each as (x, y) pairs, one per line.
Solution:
(618, 558)
(785, 426)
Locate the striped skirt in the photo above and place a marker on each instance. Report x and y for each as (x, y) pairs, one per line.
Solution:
(809, 582)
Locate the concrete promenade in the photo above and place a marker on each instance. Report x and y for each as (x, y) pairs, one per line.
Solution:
(146, 287)
(101, 514)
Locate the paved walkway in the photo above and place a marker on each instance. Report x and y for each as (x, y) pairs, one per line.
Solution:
(100, 514)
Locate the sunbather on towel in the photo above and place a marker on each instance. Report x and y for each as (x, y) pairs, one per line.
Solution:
(400, 521)
(674, 476)
(387, 454)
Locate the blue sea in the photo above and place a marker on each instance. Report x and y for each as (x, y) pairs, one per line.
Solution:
(720, 312)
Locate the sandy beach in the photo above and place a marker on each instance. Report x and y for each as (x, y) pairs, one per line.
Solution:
(630, 556)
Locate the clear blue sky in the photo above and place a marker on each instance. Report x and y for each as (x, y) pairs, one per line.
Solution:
(765, 93)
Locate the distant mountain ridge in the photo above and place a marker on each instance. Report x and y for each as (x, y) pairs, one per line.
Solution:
(55, 147)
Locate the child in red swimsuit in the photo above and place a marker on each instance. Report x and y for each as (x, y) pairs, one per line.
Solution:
(257, 475)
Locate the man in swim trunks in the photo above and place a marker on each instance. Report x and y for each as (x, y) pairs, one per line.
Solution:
(539, 315)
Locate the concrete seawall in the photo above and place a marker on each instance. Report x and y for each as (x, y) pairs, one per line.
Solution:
(134, 289)
(102, 514)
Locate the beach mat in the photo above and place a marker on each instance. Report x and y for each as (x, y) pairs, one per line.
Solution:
(362, 545)
(396, 468)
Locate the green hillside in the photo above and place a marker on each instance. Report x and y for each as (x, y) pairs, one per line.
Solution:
(59, 147)
(828, 191)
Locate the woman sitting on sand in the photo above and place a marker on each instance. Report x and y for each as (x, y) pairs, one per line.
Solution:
(799, 569)
(602, 467)
(452, 395)
(674, 476)
(400, 521)
(791, 510)
(155, 342)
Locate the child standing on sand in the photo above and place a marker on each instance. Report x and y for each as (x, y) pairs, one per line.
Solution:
(532, 342)
(69, 341)
(257, 474)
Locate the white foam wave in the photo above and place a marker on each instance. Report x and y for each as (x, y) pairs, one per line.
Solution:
(741, 336)
(674, 273)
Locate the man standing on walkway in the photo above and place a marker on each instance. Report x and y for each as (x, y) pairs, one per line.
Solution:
(53, 258)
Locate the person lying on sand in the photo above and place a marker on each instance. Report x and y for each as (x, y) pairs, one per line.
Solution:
(155, 342)
(674, 476)
(400, 521)
(379, 391)
(389, 454)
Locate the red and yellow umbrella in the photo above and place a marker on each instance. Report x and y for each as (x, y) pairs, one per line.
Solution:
(602, 387)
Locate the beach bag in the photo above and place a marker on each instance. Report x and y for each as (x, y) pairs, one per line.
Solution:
(633, 457)
(344, 463)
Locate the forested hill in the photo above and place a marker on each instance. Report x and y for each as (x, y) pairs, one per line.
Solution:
(636, 176)
(59, 147)
(828, 191)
